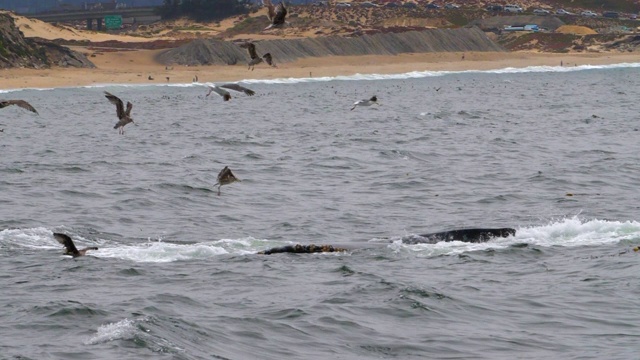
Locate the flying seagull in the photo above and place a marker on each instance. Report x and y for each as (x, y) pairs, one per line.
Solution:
(70, 246)
(225, 177)
(221, 90)
(276, 14)
(123, 115)
(255, 59)
(21, 103)
(373, 100)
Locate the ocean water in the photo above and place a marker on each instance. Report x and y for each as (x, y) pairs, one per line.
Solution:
(551, 152)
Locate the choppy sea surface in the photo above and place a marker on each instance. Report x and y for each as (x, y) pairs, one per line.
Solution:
(551, 152)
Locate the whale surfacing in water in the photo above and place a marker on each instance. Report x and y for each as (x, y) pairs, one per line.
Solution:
(465, 235)
(302, 249)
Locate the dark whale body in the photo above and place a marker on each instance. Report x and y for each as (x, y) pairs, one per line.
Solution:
(465, 235)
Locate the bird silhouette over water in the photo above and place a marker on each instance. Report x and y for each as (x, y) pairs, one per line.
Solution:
(369, 102)
(21, 103)
(124, 116)
(255, 59)
(221, 90)
(225, 177)
(276, 14)
(70, 246)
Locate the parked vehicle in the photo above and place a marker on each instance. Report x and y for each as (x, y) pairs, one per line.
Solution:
(410, 5)
(588, 13)
(368, 4)
(563, 12)
(611, 14)
(541, 12)
(391, 5)
(343, 4)
(433, 6)
(513, 8)
(451, 6)
(494, 7)
(513, 28)
(531, 27)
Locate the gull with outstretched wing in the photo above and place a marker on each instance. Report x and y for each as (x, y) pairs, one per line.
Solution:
(226, 95)
(21, 103)
(124, 116)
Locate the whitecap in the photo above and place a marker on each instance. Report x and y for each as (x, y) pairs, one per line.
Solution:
(121, 330)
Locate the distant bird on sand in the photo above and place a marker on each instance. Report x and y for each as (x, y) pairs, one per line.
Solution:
(70, 246)
(373, 100)
(123, 115)
(221, 90)
(255, 59)
(276, 14)
(225, 177)
(21, 103)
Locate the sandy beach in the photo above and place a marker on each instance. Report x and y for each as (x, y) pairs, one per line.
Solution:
(135, 67)
(124, 66)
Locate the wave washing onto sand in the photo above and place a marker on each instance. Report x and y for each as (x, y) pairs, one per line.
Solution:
(367, 77)
(567, 232)
(426, 74)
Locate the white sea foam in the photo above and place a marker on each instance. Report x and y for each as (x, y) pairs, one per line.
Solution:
(159, 251)
(121, 330)
(32, 238)
(361, 77)
(568, 232)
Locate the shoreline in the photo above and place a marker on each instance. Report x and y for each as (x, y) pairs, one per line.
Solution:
(135, 67)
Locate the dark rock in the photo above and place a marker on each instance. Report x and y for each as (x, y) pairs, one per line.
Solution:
(18, 51)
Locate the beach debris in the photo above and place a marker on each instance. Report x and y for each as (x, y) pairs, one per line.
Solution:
(221, 90)
(21, 103)
(225, 177)
(255, 59)
(123, 115)
(366, 102)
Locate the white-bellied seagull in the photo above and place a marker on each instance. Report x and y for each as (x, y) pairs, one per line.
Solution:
(221, 90)
(369, 102)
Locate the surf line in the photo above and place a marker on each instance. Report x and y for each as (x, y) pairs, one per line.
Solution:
(476, 235)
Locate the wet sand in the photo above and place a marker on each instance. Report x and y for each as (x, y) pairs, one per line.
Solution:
(135, 67)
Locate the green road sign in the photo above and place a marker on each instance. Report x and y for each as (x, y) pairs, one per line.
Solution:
(113, 21)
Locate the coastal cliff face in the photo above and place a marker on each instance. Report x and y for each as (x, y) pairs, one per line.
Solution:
(216, 52)
(18, 51)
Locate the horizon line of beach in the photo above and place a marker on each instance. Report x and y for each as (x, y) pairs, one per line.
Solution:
(140, 68)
